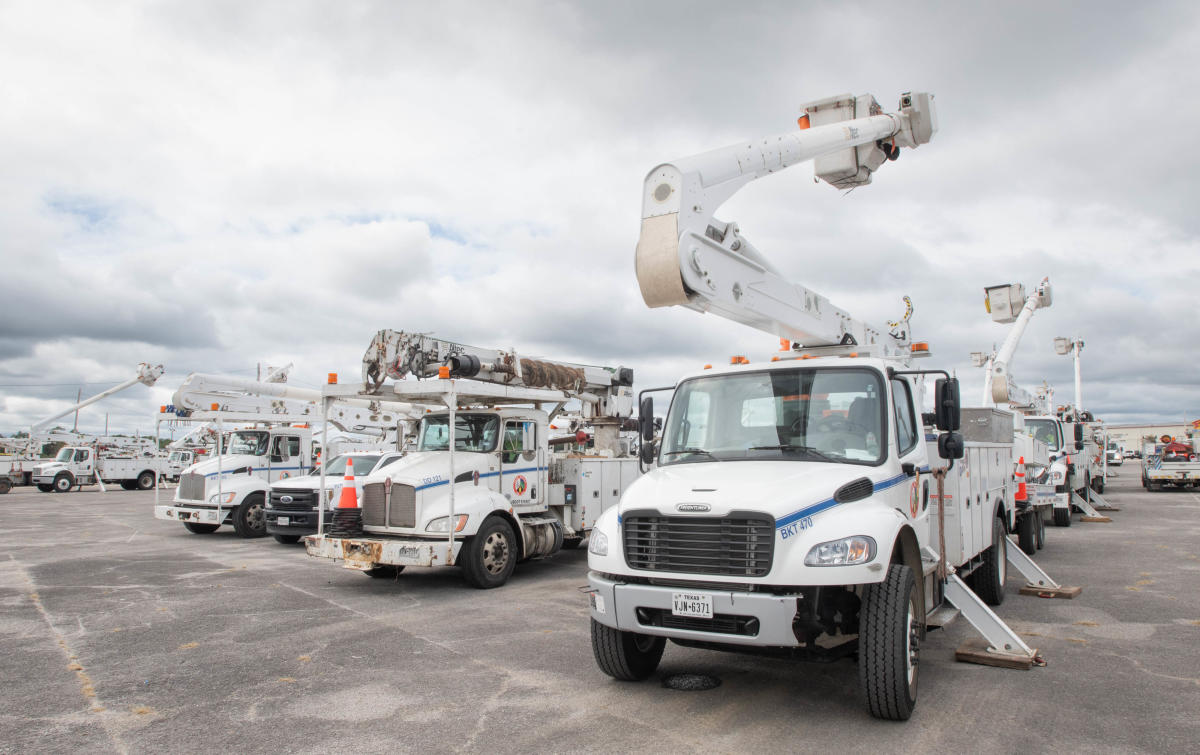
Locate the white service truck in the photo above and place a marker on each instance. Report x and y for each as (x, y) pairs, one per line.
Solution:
(1070, 465)
(1177, 464)
(76, 466)
(787, 513)
(482, 489)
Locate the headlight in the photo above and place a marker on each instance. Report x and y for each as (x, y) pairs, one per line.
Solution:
(848, 551)
(222, 498)
(442, 524)
(598, 543)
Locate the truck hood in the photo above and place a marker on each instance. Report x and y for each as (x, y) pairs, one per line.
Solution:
(49, 467)
(426, 468)
(227, 465)
(779, 488)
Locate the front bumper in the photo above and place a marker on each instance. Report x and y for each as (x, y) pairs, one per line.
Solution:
(294, 522)
(363, 553)
(191, 514)
(616, 604)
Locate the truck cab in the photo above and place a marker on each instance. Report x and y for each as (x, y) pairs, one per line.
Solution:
(1069, 469)
(231, 488)
(73, 465)
(788, 500)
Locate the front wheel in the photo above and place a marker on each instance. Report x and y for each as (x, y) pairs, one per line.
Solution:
(889, 634)
(249, 519)
(488, 559)
(988, 580)
(1027, 531)
(627, 656)
(287, 539)
(384, 571)
(199, 528)
(45, 487)
(5, 486)
(63, 482)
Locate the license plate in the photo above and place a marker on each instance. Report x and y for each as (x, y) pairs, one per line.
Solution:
(696, 605)
(283, 520)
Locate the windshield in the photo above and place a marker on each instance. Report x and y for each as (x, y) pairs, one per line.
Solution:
(801, 414)
(251, 442)
(472, 432)
(64, 454)
(1045, 430)
(363, 464)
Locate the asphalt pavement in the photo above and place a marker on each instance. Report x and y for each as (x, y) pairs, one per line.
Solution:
(122, 633)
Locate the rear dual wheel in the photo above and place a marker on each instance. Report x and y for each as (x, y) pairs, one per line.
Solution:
(988, 580)
(1027, 531)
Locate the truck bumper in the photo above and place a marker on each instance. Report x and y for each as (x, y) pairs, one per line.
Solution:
(280, 522)
(756, 619)
(190, 514)
(363, 553)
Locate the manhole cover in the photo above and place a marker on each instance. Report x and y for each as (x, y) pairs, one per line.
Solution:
(691, 682)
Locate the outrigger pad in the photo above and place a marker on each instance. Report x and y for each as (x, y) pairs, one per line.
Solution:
(1062, 591)
(977, 651)
(1100, 519)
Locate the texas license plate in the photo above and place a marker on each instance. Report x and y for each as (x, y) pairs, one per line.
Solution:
(283, 520)
(693, 604)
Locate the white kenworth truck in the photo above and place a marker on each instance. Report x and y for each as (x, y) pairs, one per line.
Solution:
(76, 466)
(483, 489)
(795, 508)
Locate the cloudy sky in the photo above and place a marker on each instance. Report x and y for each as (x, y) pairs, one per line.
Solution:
(213, 185)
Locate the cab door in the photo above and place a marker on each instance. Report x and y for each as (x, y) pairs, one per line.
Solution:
(519, 481)
(284, 460)
(910, 449)
(84, 463)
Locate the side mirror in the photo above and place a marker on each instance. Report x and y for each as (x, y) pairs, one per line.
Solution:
(646, 419)
(946, 407)
(950, 446)
(647, 452)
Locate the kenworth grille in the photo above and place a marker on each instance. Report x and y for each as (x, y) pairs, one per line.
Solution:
(378, 511)
(191, 487)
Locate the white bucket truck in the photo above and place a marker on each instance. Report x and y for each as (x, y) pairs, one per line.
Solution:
(75, 466)
(790, 510)
(232, 487)
(482, 490)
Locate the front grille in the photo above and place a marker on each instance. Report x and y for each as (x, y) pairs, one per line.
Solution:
(720, 623)
(191, 487)
(740, 544)
(402, 510)
(373, 513)
(301, 500)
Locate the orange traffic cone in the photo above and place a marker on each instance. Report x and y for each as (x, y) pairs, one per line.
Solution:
(1021, 495)
(349, 499)
(347, 517)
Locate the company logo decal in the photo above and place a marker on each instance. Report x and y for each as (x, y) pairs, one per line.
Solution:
(285, 475)
(693, 507)
(914, 498)
(286, 499)
(519, 485)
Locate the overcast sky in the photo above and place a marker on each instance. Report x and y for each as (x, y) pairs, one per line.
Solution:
(211, 185)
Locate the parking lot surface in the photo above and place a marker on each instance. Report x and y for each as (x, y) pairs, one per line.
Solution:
(121, 633)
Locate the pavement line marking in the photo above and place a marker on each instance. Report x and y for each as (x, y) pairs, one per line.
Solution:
(87, 687)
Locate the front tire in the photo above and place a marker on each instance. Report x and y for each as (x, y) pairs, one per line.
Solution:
(287, 539)
(988, 580)
(488, 559)
(5, 486)
(889, 634)
(64, 482)
(1027, 531)
(250, 519)
(45, 487)
(626, 656)
(199, 528)
(384, 571)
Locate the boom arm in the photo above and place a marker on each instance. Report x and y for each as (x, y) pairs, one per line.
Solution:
(686, 256)
(146, 375)
(1000, 301)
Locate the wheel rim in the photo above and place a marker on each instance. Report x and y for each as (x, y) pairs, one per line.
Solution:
(912, 639)
(495, 553)
(255, 518)
(63, 484)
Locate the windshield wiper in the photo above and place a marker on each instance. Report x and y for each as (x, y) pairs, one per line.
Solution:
(794, 447)
(691, 451)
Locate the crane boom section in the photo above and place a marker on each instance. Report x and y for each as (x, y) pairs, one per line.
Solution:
(687, 257)
(146, 375)
(1004, 389)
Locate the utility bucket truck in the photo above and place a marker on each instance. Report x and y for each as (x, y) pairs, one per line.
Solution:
(795, 508)
(271, 444)
(1176, 465)
(483, 489)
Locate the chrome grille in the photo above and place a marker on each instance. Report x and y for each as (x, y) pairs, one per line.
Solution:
(741, 544)
(372, 504)
(402, 511)
(301, 499)
(191, 487)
